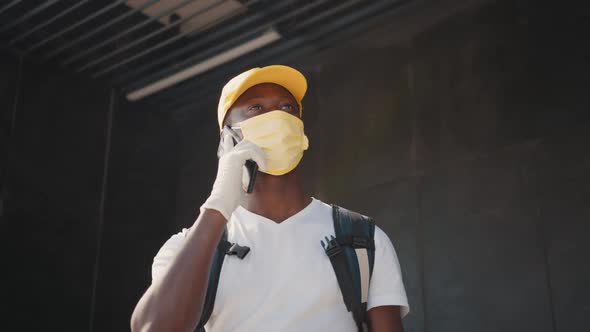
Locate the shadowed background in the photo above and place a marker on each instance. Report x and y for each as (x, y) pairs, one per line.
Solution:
(462, 127)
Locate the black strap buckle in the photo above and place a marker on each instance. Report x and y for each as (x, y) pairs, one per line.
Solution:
(331, 247)
(238, 250)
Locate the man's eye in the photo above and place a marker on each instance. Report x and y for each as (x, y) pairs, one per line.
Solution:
(255, 108)
(287, 107)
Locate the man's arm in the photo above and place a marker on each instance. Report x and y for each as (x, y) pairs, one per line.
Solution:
(387, 301)
(174, 302)
(385, 319)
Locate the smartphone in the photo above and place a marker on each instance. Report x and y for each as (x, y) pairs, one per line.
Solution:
(251, 165)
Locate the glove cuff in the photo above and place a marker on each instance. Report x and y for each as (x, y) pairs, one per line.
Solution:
(216, 204)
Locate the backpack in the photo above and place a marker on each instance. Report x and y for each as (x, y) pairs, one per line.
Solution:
(351, 252)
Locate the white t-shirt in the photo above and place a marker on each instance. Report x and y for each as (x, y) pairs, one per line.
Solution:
(286, 282)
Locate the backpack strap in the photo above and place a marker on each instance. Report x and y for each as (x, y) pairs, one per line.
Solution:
(224, 247)
(352, 254)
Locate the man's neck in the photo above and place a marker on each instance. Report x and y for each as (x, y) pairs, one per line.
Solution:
(277, 197)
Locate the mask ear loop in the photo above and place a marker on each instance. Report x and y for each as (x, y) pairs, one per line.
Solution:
(234, 135)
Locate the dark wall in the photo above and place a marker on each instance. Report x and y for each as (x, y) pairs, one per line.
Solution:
(472, 138)
(50, 224)
(140, 208)
(10, 73)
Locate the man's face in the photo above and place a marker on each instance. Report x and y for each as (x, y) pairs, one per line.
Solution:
(260, 99)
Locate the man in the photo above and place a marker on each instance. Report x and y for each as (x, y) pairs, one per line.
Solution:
(286, 282)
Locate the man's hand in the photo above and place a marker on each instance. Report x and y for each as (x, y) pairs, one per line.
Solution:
(385, 319)
(227, 189)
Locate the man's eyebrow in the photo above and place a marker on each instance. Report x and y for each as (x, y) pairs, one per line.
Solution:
(262, 97)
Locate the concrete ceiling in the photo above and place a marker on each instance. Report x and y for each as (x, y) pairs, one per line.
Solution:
(213, 12)
(136, 44)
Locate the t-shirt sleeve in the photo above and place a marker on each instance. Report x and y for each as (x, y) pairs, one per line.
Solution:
(387, 286)
(166, 254)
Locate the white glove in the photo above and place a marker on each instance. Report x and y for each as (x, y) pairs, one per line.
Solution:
(228, 190)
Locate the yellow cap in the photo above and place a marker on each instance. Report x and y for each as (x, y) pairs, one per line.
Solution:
(287, 77)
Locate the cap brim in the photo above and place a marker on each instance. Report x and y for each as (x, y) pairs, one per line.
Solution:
(284, 76)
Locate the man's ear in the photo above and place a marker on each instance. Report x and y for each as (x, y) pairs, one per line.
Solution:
(226, 118)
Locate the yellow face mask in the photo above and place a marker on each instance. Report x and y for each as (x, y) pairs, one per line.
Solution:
(280, 136)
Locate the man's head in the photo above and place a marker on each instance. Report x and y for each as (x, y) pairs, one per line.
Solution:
(270, 86)
(263, 106)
